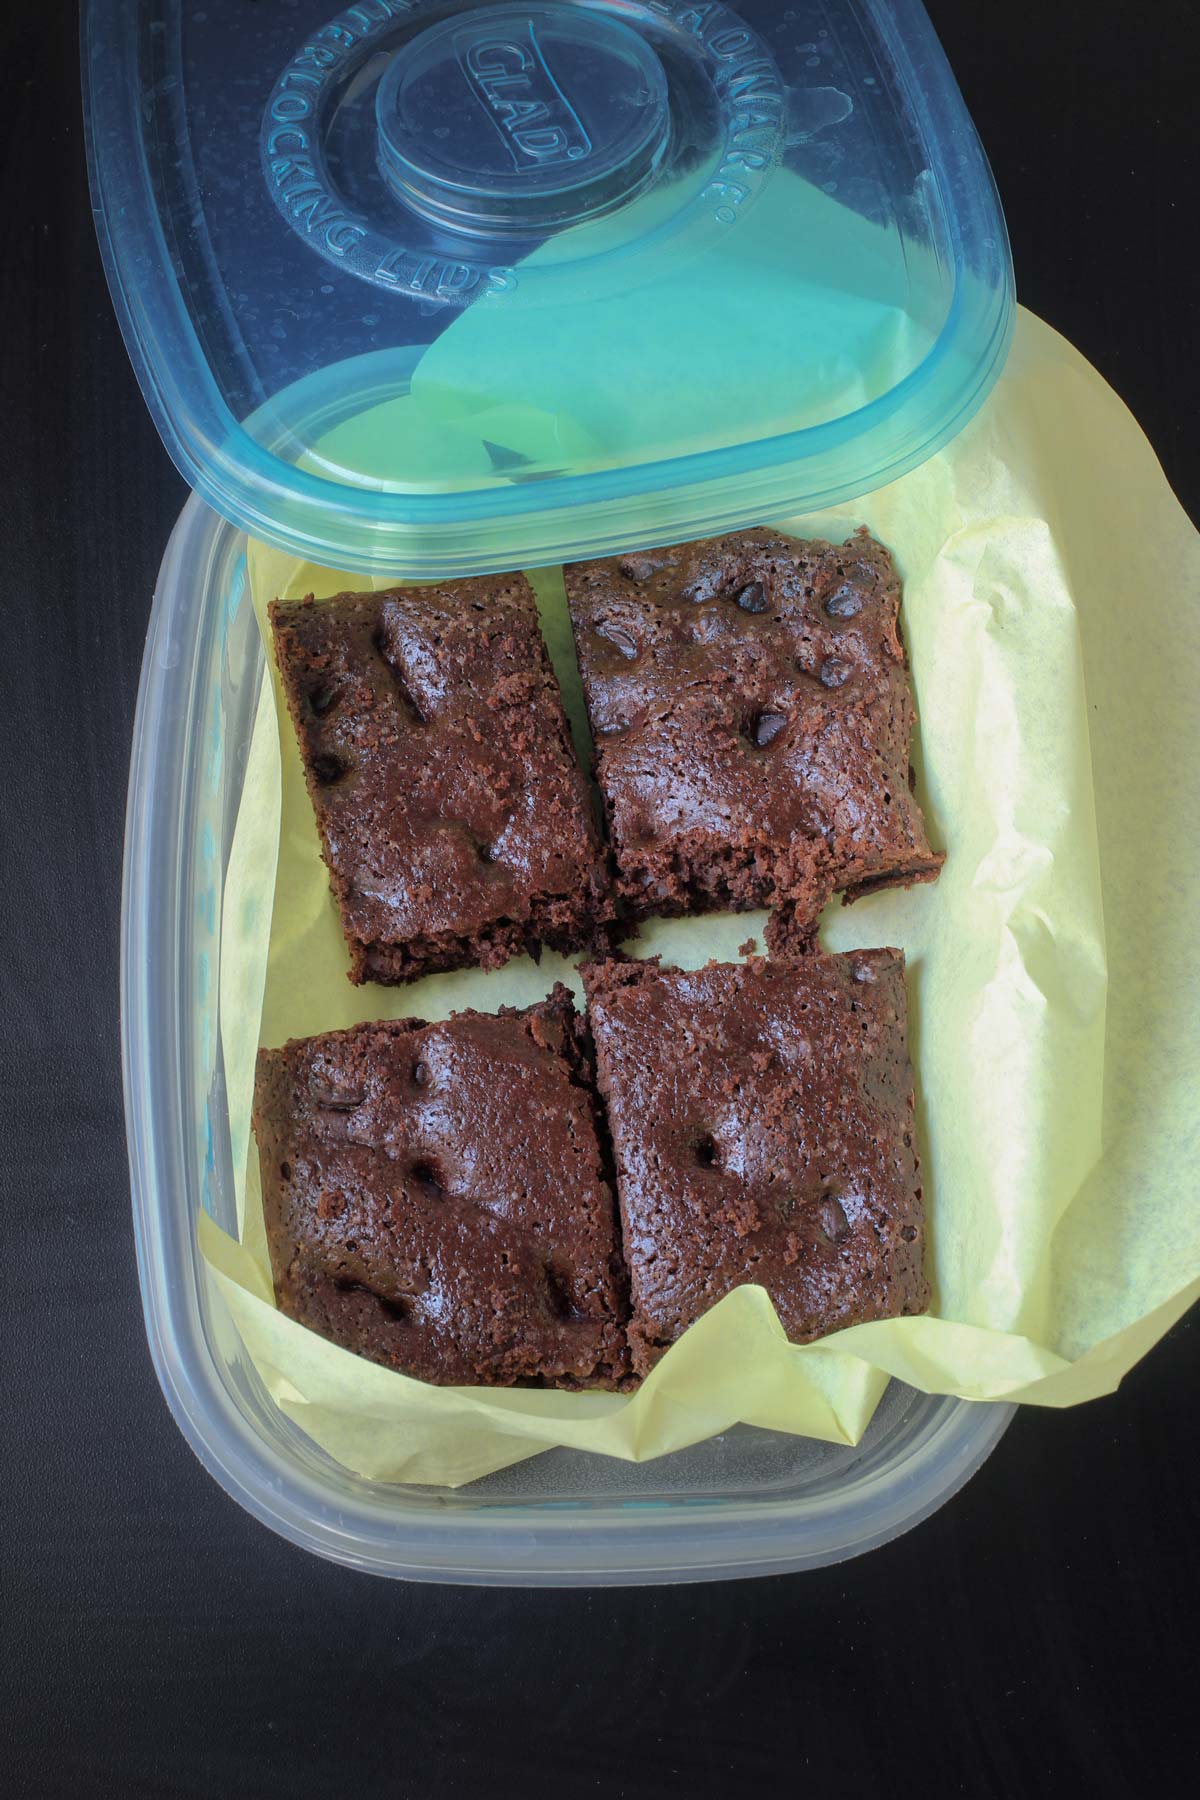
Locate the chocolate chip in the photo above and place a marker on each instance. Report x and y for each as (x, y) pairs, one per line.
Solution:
(558, 1292)
(420, 1074)
(834, 671)
(285, 1169)
(844, 603)
(322, 699)
(337, 1099)
(832, 1219)
(383, 650)
(620, 638)
(909, 1233)
(765, 727)
(751, 598)
(641, 566)
(327, 768)
(399, 1310)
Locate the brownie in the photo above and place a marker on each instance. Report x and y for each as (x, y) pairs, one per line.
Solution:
(455, 820)
(762, 1126)
(435, 1197)
(751, 709)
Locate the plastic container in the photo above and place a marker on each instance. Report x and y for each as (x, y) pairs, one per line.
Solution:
(430, 289)
(426, 289)
(748, 1502)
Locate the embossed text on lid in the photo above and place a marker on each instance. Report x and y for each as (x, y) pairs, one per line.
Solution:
(521, 119)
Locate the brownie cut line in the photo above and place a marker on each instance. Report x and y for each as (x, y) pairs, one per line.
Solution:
(436, 1197)
(752, 715)
(762, 1126)
(454, 819)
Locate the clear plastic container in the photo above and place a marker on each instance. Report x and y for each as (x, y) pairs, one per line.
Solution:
(431, 287)
(748, 1502)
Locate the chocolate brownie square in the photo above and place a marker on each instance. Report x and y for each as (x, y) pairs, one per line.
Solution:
(454, 818)
(435, 1197)
(751, 709)
(762, 1124)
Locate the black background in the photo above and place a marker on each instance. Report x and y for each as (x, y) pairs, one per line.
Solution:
(1040, 1631)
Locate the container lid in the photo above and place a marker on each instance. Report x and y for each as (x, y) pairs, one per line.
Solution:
(425, 289)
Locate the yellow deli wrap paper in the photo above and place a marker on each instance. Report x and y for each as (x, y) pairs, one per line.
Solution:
(1050, 611)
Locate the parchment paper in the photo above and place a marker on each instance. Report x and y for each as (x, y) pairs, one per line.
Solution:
(1050, 610)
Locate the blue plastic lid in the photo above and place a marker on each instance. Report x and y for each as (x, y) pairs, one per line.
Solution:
(426, 289)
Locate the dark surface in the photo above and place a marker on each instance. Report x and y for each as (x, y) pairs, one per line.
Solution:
(762, 1130)
(1036, 1637)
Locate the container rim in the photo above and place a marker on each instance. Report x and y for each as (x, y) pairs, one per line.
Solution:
(434, 1537)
